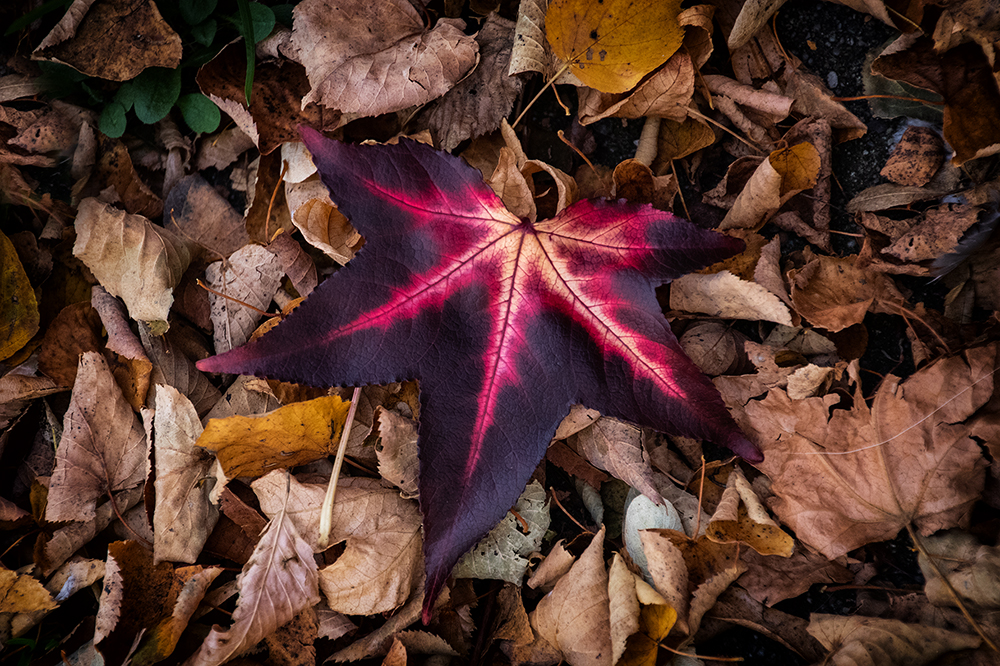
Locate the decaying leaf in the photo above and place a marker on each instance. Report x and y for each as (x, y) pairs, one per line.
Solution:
(251, 275)
(725, 295)
(18, 309)
(871, 641)
(22, 593)
(970, 567)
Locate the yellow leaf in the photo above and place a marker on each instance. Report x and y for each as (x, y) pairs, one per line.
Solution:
(612, 44)
(798, 166)
(289, 436)
(18, 308)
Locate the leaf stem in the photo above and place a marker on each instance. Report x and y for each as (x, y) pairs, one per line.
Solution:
(326, 512)
(539, 94)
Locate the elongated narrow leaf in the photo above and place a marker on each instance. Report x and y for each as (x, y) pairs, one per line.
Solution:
(506, 323)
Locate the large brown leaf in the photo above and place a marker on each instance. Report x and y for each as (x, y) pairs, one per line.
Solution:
(103, 447)
(848, 477)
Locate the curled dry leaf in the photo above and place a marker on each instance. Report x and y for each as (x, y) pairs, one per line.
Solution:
(923, 464)
(785, 173)
(714, 347)
(502, 554)
(616, 447)
(612, 45)
(397, 450)
(16, 391)
(172, 368)
(276, 584)
(130, 366)
(665, 94)
(725, 295)
(833, 292)
(623, 605)
(872, 641)
(112, 39)
(184, 514)
(322, 225)
(131, 257)
(970, 567)
(103, 447)
(374, 58)
(19, 319)
(252, 275)
(292, 435)
(741, 517)
(575, 617)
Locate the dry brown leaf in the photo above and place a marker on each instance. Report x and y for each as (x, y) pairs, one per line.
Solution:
(383, 561)
(22, 593)
(623, 605)
(937, 233)
(131, 258)
(103, 447)
(76, 329)
(252, 275)
(680, 139)
(616, 448)
(397, 450)
(276, 584)
(634, 180)
(17, 390)
(112, 39)
(832, 292)
(129, 364)
(322, 225)
(297, 265)
(972, 569)
(656, 619)
(196, 212)
(575, 616)
(171, 367)
(714, 347)
(374, 58)
(159, 642)
(553, 567)
(293, 644)
(872, 641)
(770, 578)
(922, 464)
(741, 517)
(725, 295)
(665, 94)
(476, 104)
(785, 173)
(612, 45)
(218, 151)
(184, 514)
(916, 158)
(75, 575)
(754, 15)
(292, 435)
(115, 170)
(669, 572)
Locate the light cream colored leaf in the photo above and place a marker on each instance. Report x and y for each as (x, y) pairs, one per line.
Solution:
(131, 257)
(575, 616)
(397, 450)
(725, 295)
(623, 605)
(184, 515)
(872, 641)
(669, 572)
(103, 447)
(322, 225)
(553, 567)
(252, 275)
(377, 57)
(502, 554)
(276, 584)
(616, 447)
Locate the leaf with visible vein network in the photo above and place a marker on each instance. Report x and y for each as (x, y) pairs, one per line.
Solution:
(506, 324)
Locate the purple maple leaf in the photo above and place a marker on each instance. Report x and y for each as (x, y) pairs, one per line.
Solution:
(505, 323)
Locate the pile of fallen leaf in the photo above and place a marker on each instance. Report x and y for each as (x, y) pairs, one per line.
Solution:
(154, 514)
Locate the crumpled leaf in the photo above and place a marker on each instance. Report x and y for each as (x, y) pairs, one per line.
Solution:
(322, 225)
(204, 219)
(575, 617)
(19, 319)
(872, 641)
(103, 447)
(741, 517)
(833, 292)
(252, 275)
(276, 584)
(184, 514)
(613, 44)
(916, 158)
(616, 447)
(292, 435)
(785, 173)
(724, 295)
(502, 554)
(972, 569)
(923, 464)
(132, 258)
(112, 39)
(376, 57)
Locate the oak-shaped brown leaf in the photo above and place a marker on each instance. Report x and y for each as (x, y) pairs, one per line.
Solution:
(276, 584)
(873, 641)
(377, 57)
(112, 39)
(131, 258)
(575, 616)
(184, 514)
(103, 447)
(921, 461)
(292, 435)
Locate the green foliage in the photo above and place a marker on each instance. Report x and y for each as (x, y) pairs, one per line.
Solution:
(200, 113)
(156, 91)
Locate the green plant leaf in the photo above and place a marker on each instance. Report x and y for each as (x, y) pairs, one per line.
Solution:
(113, 120)
(126, 95)
(263, 21)
(204, 33)
(246, 27)
(283, 14)
(196, 11)
(200, 113)
(156, 92)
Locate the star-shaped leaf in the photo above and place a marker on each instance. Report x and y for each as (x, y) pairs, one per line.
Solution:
(506, 324)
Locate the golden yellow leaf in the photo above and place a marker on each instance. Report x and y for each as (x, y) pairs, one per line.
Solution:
(289, 436)
(612, 44)
(18, 307)
(798, 166)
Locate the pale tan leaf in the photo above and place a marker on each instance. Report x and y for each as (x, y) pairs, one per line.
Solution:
(184, 514)
(725, 295)
(171, 367)
(322, 225)
(103, 447)
(872, 641)
(131, 258)
(575, 617)
(252, 275)
(623, 605)
(553, 567)
(616, 447)
(131, 368)
(741, 517)
(785, 173)
(16, 391)
(276, 584)
(383, 561)
(301, 506)
(240, 400)
(665, 94)
(397, 450)
(754, 15)
(971, 568)
(669, 572)
(579, 417)
(374, 58)
(22, 593)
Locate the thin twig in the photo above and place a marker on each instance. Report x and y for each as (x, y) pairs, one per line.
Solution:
(326, 512)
